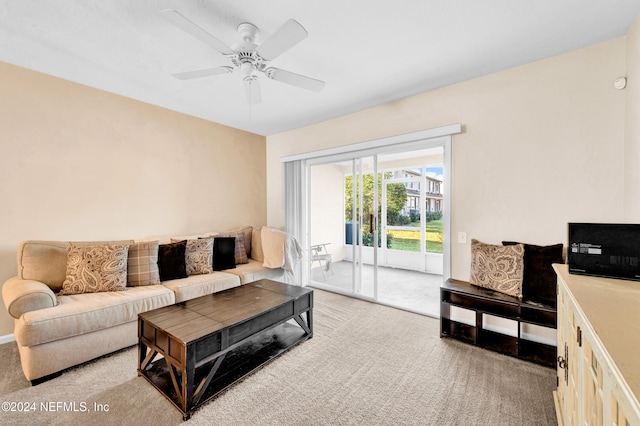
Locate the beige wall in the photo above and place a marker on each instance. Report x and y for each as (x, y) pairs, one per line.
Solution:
(543, 145)
(77, 163)
(632, 129)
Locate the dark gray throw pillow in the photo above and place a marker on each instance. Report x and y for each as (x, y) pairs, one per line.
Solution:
(171, 261)
(224, 253)
(539, 279)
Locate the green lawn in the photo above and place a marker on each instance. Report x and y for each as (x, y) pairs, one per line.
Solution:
(434, 238)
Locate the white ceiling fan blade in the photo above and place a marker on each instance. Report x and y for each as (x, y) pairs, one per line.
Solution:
(252, 90)
(196, 31)
(295, 79)
(206, 72)
(288, 35)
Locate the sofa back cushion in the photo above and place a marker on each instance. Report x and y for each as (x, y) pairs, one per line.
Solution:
(256, 245)
(44, 261)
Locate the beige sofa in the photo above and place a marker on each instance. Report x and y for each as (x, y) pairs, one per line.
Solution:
(54, 331)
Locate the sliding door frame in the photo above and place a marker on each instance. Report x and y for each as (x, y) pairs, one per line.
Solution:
(357, 179)
(437, 137)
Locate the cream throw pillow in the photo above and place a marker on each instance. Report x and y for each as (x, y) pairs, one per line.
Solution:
(498, 268)
(95, 268)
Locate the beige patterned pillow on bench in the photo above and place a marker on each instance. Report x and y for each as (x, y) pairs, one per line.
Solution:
(498, 268)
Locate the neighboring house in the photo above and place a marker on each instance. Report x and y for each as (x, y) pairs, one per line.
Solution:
(433, 192)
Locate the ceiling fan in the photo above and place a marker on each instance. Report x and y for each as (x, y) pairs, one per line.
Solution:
(247, 57)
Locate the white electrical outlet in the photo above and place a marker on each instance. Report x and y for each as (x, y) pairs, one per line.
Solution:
(462, 237)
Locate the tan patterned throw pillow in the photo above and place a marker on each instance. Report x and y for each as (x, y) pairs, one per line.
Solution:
(96, 268)
(199, 256)
(498, 268)
(142, 266)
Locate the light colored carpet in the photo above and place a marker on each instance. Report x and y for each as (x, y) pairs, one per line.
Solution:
(367, 364)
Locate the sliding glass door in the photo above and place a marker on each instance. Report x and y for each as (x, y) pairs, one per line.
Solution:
(377, 224)
(344, 219)
(365, 207)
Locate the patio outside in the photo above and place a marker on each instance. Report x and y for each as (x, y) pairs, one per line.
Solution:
(410, 290)
(403, 200)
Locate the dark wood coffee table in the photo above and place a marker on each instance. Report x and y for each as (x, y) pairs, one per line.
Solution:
(193, 350)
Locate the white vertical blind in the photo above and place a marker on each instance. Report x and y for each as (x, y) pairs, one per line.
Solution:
(295, 206)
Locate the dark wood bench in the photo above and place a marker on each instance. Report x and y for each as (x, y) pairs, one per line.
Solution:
(484, 301)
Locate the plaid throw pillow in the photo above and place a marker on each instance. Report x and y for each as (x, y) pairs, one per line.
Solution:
(142, 266)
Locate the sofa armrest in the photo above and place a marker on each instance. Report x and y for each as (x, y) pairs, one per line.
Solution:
(21, 296)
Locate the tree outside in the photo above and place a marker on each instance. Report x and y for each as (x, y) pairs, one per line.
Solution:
(396, 200)
(396, 196)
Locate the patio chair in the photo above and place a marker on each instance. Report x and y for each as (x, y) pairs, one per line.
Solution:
(320, 254)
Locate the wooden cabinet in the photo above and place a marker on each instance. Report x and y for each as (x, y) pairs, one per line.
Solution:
(598, 350)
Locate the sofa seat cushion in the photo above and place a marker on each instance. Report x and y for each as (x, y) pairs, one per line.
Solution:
(201, 285)
(254, 271)
(256, 245)
(84, 313)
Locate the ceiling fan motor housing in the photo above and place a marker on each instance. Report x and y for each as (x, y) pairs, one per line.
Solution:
(245, 58)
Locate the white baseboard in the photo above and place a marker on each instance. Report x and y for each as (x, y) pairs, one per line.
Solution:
(7, 339)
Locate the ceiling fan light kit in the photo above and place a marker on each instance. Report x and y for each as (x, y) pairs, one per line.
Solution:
(247, 57)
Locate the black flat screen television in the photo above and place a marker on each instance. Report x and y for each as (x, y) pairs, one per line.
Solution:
(605, 250)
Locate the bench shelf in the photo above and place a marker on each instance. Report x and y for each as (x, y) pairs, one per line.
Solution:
(482, 301)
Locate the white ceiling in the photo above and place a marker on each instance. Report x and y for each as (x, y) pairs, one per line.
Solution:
(368, 52)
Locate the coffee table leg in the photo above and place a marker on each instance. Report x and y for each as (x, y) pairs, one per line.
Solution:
(188, 377)
(308, 326)
(151, 354)
(142, 352)
(205, 382)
